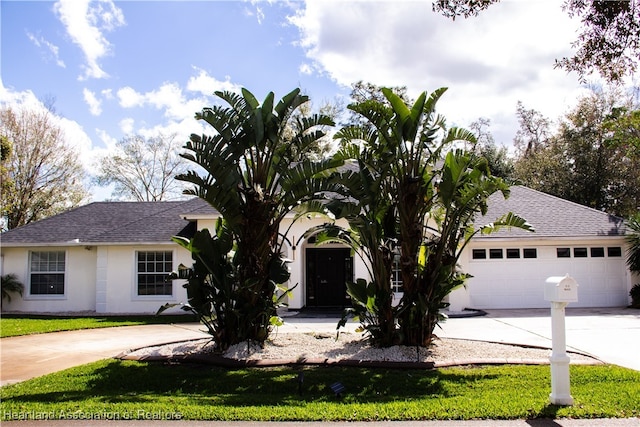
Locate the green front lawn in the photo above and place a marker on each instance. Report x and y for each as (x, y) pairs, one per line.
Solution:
(127, 389)
(13, 325)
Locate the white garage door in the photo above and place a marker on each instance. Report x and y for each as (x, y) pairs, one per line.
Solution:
(514, 277)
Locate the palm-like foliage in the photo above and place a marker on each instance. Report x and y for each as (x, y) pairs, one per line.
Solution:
(256, 171)
(363, 198)
(10, 284)
(463, 187)
(633, 241)
(633, 255)
(405, 145)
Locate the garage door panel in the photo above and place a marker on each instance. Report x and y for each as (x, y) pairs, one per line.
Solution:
(519, 283)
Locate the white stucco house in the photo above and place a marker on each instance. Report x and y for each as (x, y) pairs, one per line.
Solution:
(112, 257)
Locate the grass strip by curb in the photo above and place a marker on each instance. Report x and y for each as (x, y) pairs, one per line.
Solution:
(127, 388)
(16, 325)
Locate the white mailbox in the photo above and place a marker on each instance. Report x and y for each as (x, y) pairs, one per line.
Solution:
(561, 289)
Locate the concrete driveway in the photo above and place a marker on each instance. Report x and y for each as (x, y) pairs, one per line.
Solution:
(32, 356)
(612, 335)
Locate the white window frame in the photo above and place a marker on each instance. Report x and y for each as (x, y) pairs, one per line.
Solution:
(136, 288)
(36, 296)
(396, 275)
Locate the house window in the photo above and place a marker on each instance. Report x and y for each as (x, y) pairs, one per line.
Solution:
(46, 273)
(495, 253)
(513, 253)
(614, 251)
(597, 252)
(580, 252)
(563, 252)
(479, 254)
(152, 271)
(530, 253)
(396, 276)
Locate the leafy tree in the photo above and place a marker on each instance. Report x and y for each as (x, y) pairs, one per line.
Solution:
(45, 173)
(364, 91)
(6, 184)
(500, 163)
(544, 169)
(534, 131)
(609, 41)
(586, 160)
(142, 169)
(623, 129)
(465, 8)
(256, 171)
(435, 202)
(540, 163)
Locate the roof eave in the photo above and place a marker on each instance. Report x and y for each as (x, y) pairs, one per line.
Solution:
(546, 238)
(83, 244)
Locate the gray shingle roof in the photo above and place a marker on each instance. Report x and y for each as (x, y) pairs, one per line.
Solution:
(550, 216)
(157, 222)
(110, 222)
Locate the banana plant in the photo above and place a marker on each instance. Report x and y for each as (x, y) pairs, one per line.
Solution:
(254, 170)
(413, 153)
(460, 202)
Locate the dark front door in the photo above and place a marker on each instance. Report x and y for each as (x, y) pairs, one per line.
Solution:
(327, 273)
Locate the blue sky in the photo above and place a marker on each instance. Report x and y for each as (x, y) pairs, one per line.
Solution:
(145, 67)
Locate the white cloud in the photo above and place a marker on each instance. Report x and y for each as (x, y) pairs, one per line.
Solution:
(86, 22)
(173, 101)
(126, 125)
(128, 97)
(168, 97)
(95, 105)
(306, 69)
(108, 140)
(27, 98)
(489, 62)
(258, 13)
(207, 85)
(107, 93)
(51, 48)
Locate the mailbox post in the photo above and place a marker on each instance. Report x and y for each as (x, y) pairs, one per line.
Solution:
(560, 291)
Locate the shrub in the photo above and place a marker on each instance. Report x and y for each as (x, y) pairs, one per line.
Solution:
(10, 284)
(635, 295)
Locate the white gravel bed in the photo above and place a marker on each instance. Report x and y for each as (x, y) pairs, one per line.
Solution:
(352, 346)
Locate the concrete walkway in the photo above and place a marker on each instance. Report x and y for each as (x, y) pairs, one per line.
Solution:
(611, 335)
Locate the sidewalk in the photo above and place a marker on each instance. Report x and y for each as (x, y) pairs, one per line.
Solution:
(609, 422)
